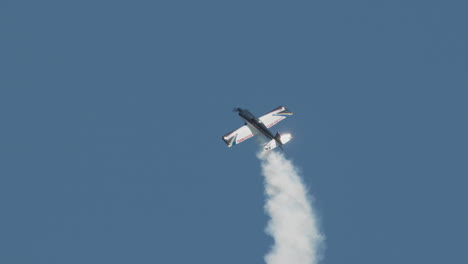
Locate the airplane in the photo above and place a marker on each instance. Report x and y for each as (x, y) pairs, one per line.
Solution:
(259, 126)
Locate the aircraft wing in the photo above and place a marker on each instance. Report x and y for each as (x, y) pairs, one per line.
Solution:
(275, 116)
(238, 136)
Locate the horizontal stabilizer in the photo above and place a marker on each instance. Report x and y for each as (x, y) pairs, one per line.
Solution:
(278, 141)
(270, 145)
(283, 138)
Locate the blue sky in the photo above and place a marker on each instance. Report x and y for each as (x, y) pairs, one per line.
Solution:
(112, 114)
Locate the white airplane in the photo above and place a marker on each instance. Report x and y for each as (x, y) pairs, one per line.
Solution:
(254, 126)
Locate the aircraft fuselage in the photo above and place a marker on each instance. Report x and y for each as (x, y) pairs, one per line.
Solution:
(256, 123)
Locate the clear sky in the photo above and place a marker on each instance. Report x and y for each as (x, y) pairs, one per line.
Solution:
(112, 114)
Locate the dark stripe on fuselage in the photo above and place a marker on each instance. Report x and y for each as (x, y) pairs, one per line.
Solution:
(256, 123)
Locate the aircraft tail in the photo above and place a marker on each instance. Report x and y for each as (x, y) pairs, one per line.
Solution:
(284, 138)
(278, 141)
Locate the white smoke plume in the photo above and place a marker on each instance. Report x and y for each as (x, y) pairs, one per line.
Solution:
(293, 224)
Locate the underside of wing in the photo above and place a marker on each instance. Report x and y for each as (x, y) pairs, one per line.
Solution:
(238, 136)
(275, 116)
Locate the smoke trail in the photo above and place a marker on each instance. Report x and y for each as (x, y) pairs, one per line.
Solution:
(293, 224)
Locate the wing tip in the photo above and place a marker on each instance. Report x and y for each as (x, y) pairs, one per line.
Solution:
(285, 111)
(282, 111)
(227, 140)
